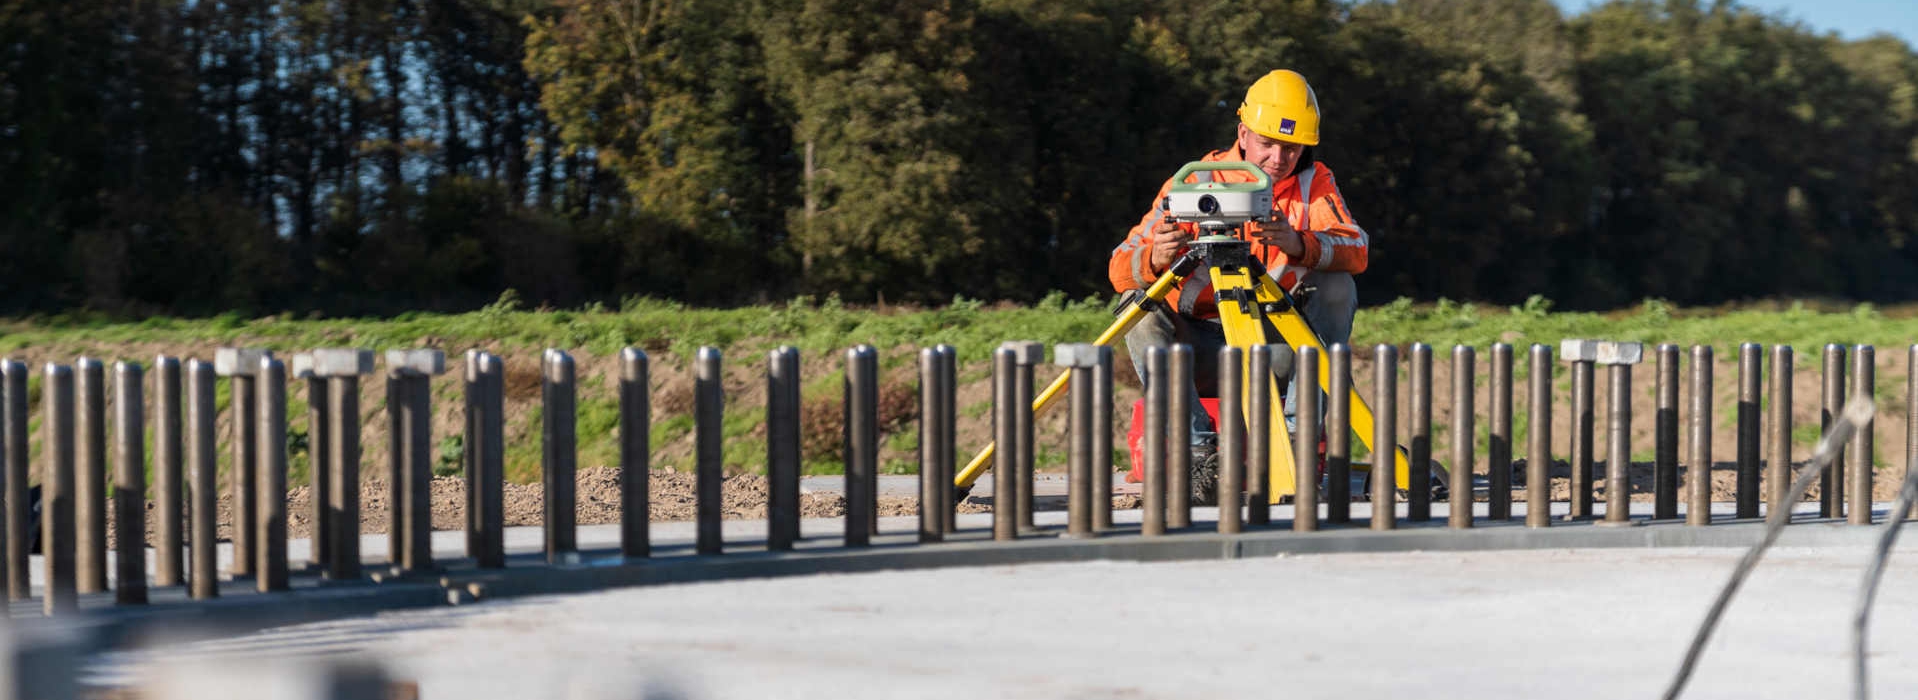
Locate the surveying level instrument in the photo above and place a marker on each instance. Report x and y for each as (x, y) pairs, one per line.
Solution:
(1252, 309)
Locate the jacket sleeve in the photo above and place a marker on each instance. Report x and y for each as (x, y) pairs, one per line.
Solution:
(1333, 240)
(1131, 264)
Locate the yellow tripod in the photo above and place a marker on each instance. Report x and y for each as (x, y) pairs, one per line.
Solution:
(1247, 299)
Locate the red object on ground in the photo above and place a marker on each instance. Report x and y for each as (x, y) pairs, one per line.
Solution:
(1135, 436)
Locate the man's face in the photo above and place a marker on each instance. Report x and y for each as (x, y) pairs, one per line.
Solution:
(1275, 157)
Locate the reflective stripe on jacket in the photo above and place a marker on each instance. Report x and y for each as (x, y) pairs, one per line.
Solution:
(1309, 199)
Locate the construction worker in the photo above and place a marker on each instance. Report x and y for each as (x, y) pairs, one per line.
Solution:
(1314, 247)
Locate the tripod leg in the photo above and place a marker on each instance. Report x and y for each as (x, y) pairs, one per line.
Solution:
(1299, 334)
(1242, 316)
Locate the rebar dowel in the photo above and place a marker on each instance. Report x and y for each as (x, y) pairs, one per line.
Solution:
(1582, 439)
(270, 483)
(19, 509)
(1911, 423)
(417, 555)
(1024, 422)
(862, 443)
(1005, 483)
(56, 492)
(129, 485)
(1618, 451)
(1751, 358)
(319, 442)
(1338, 436)
(1498, 447)
(1258, 432)
(1101, 438)
(1698, 475)
(1864, 383)
(1079, 454)
(782, 448)
(636, 456)
(1538, 462)
(203, 462)
(1418, 503)
(1831, 484)
(1385, 438)
(169, 508)
(1778, 469)
(930, 527)
(1665, 436)
(1178, 437)
(343, 410)
(90, 475)
(1231, 488)
(948, 405)
(561, 452)
(709, 412)
(246, 465)
(396, 436)
(1305, 445)
(1152, 492)
(490, 458)
(1464, 432)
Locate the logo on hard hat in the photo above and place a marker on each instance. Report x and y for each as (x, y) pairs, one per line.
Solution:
(1286, 125)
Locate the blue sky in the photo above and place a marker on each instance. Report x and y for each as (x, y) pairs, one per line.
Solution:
(1851, 19)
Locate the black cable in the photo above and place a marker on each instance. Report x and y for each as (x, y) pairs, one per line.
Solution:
(1868, 588)
(1856, 414)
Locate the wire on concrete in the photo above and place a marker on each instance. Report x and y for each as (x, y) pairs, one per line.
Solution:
(1868, 588)
(1856, 414)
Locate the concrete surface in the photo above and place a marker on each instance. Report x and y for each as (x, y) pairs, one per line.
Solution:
(1550, 623)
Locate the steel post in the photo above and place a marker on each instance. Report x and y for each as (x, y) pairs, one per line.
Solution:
(1005, 483)
(270, 483)
(1078, 359)
(470, 394)
(14, 420)
(1385, 438)
(396, 451)
(560, 442)
(1698, 475)
(1464, 432)
(1030, 355)
(1665, 436)
(932, 527)
(319, 451)
(1864, 382)
(1152, 501)
(1911, 421)
(1305, 445)
(239, 365)
(861, 444)
(169, 508)
(56, 492)
(343, 516)
(1538, 461)
(709, 413)
(1831, 484)
(90, 475)
(1178, 437)
(1778, 470)
(1258, 432)
(782, 448)
(1618, 450)
(491, 459)
(948, 404)
(636, 455)
(1231, 492)
(1101, 438)
(1751, 358)
(1582, 439)
(1418, 506)
(1338, 436)
(415, 370)
(1498, 447)
(203, 464)
(129, 485)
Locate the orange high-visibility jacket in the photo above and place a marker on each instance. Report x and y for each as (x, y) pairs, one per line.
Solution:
(1309, 199)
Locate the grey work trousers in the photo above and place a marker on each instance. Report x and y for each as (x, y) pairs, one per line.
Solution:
(1329, 310)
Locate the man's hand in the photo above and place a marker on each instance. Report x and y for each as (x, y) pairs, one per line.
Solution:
(1281, 234)
(1167, 239)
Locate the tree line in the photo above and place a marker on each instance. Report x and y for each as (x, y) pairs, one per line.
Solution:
(371, 156)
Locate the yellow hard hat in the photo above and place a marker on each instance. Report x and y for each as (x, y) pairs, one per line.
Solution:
(1281, 106)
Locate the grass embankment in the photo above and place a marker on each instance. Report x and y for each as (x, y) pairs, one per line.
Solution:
(821, 329)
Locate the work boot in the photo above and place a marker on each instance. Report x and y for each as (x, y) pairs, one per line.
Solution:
(1205, 471)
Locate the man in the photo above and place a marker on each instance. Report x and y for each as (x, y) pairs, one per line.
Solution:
(1312, 243)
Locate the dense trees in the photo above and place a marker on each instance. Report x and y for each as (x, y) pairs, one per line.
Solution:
(373, 155)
